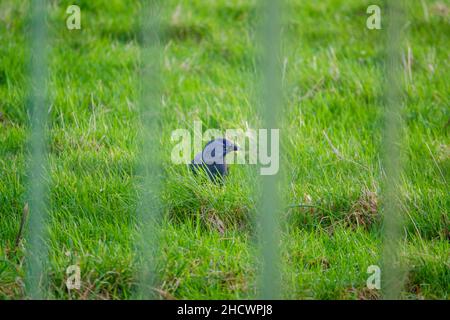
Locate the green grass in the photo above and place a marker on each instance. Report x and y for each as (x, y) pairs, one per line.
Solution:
(332, 83)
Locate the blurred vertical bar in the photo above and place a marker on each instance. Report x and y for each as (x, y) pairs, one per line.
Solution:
(392, 274)
(149, 211)
(269, 238)
(36, 193)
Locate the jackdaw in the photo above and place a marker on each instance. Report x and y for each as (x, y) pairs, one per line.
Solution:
(212, 159)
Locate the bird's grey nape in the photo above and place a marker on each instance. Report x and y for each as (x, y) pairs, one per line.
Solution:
(212, 159)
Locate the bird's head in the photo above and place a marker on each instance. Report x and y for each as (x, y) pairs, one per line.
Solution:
(229, 146)
(217, 149)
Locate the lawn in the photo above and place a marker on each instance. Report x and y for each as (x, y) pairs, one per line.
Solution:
(331, 132)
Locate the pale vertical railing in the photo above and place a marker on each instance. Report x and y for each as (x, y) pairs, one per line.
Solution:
(392, 272)
(149, 209)
(269, 234)
(36, 188)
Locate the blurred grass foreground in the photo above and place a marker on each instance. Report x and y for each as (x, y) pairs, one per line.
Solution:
(332, 70)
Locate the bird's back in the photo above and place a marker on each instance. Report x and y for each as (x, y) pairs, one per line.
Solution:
(214, 170)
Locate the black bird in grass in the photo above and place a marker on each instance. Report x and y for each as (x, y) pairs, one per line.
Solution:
(212, 159)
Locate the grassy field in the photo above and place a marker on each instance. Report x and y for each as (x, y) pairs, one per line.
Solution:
(333, 97)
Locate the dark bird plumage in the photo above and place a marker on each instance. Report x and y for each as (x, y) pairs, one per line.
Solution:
(212, 159)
